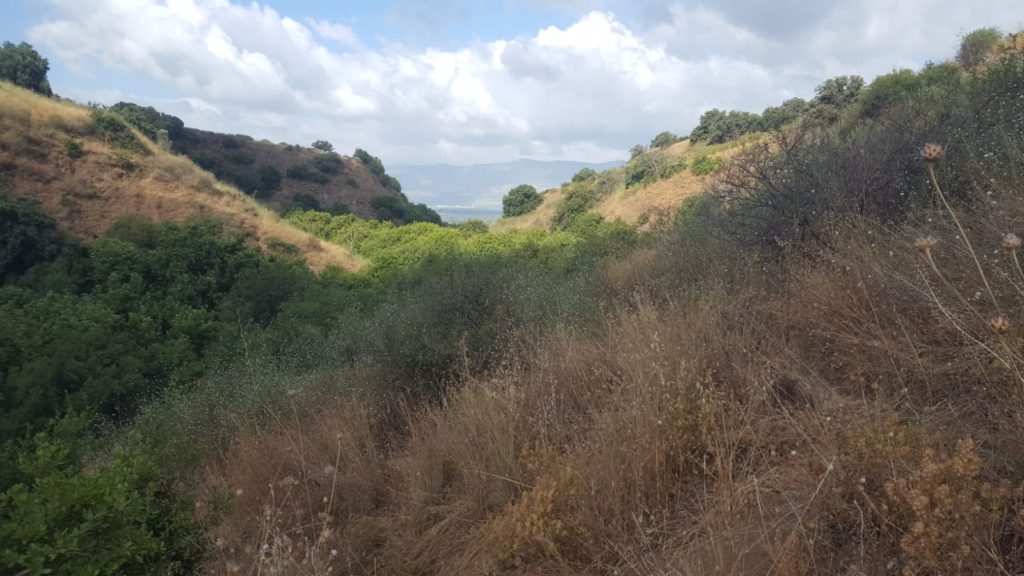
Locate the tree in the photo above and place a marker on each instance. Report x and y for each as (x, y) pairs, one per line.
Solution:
(584, 175)
(833, 96)
(775, 117)
(976, 46)
(21, 65)
(323, 145)
(664, 140)
(718, 126)
(520, 200)
(636, 151)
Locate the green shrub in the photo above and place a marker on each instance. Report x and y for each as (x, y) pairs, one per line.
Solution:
(150, 121)
(976, 46)
(664, 140)
(268, 181)
(705, 165)
(121, 517)
(323, 145)
(371, 162)
(124, 160)
(304, 172)
(520, 200)
(328, 163)
(305, 202)
(114, 130)
(584, 174)
(73, 148)
(652, 166)
(718, 126)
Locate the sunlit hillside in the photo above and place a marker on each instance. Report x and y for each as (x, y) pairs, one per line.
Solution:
(53, 152)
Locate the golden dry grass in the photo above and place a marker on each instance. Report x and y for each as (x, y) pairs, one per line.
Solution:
(539, 219)
(858, 415)
(87, 195)
(636, 205)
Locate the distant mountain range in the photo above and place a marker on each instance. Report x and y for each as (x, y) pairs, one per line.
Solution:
(475, 191)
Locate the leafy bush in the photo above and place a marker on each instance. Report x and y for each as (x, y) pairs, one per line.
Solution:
(304, 172)
(664, 140)
(114, 130)
(718, 126)
(22, 66)
(775, 117)
(705, 165)
(73, 148)
(976, 46)
(268, 181)
(150, 121)
(398, 209)
(121, 517)
(305, 202)
(371, 162)
(27, 237)
(652, 166)
(323, 145)
(520, 200)
(584, 174)
(328, 163)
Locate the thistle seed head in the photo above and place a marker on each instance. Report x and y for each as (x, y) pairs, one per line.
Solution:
(932, 153)
(1011, 242)
(927, 244)
(999, 325)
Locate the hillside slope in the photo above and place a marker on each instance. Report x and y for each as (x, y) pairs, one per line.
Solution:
(308, 177)
(52, 151)
(636, 205)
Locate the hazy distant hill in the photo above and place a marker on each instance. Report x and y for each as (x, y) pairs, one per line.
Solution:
(476, 190)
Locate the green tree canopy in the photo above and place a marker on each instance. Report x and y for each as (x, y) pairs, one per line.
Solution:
(976, 46)
(323, 145)
(664, 140)
(520, 200)
(21, 65)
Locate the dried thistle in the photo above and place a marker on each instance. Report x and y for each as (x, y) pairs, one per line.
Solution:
(999, 325)
(926, 244)
(932, 153)
(1011, 242)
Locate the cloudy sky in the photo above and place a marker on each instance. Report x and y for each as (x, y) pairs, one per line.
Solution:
(470, 81)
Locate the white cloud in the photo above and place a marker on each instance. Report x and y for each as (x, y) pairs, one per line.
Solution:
(335, 31)
(587, 91)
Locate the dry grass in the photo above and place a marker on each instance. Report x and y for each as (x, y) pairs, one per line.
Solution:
(636, 205)
(539, 219)
(859, 415)
(88, 194)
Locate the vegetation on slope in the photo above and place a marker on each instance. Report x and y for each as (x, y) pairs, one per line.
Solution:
(88, 170)
(813, 368)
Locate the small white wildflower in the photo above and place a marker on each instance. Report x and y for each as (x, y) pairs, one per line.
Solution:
(334, 552)
(863, 480)
(792, 452)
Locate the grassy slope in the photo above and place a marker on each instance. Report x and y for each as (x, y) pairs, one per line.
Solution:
(88, 194)
(630, 205)
(352, 185)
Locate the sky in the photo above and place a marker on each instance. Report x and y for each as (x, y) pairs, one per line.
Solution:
(471, 81)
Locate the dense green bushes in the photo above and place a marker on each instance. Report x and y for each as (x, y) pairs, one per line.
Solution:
(113, 129)
(651, 166)
(150, 121)
(119, 517)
